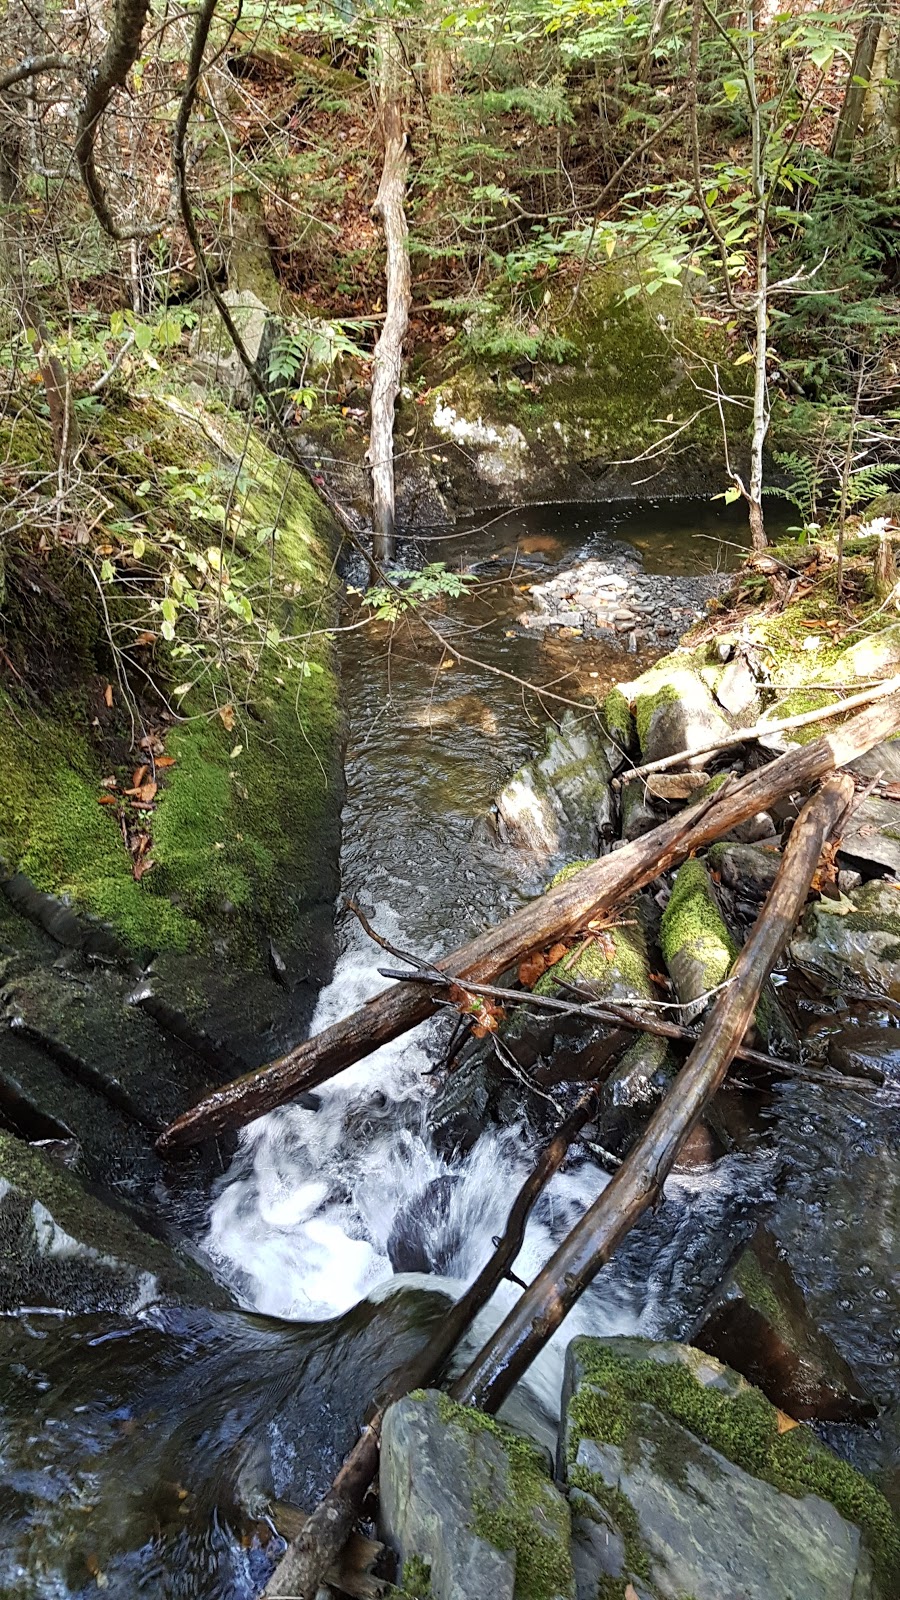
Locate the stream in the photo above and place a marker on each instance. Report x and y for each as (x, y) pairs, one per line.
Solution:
(141, 1456)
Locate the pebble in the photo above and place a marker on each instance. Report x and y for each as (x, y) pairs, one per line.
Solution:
(606, 597)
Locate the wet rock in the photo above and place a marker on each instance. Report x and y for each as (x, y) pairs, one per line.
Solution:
(638, 815)
(872, 834)
(748, 868)
(674, 786)
(759, 1324)
(425, 1237)
(710, 1497)
(872, 1053)
(560, 802)
(675, 711)
(737, 691)
(857, 935)
(837, 1224)
(470, 1505)
(60, 1247)
(697, 946)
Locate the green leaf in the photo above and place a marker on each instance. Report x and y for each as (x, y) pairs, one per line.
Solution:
(732, 88)
(731, 495)
(138, 548)
(107, 572)
(744, 359)
(143, 336)
(168, 630)
(169, 609)
(822, 56)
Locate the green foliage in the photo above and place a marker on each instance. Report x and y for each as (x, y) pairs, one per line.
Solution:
(408, 590)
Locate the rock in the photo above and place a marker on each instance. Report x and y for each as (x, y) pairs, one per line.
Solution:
(736, 690)
(872, 834)
(675, 711)
(837, 1224)
(750, 868)
(872, 1053)
(560, 802)
(759, 1324)
(858, 935)
(696, 943)
(469, 1504)
(674, 785)
(875, 656)
(713, 1492)
(60, 1247)
(214, 354)
(638, 815)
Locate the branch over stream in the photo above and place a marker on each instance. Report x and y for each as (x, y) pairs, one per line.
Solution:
(596, 889)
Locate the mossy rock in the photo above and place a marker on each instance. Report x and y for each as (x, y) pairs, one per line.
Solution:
(470, 1502)
(714, 1491)
(674, 710)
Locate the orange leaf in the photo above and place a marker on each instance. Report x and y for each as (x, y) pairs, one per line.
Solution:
(784, 1423)
(142, 865)
(556, 953)
(227, 715)
(531, 969)
(165, 761)
(147, 792)
(108, 695)
(138, 776)
(107, 800)
(145, 638)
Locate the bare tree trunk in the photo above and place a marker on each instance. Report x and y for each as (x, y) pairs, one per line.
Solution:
(122, 50)
(639, 1181)
(851, 113)
(389, 210)
(589, 893)
(760, 384)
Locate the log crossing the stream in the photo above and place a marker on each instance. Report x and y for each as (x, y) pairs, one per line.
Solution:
(592, 892)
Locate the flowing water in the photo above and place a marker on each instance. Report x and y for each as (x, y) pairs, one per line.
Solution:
(139, 1453)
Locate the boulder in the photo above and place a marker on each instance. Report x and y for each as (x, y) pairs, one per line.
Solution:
(867, 1052)
(675, 710)
(61, 1247)
(559, 803)
(758, 1322)
(856, 936)
(469, 1506)
(872, 834)
(713, 1492)
(749, 868)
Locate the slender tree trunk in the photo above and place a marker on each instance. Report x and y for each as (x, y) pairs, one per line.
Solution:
(851, 113)
(389, 210)
(639, 1181)
(760, 384)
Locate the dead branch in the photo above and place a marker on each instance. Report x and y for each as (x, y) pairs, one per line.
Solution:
(803, 719)
(596, 889)
(639, 1181)
(122, 50)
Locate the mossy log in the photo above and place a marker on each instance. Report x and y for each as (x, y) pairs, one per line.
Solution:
(594, 890)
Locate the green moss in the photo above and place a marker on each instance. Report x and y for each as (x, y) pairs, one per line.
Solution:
(416, 1577)
(647, 705)
(693, 924)
(236, 826)
(616, 961)
(742, 1425)
(616, 714)
(757, 1290)
(543, 1559)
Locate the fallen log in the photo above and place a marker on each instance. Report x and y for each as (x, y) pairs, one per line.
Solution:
(596, 889)
(639, 1181)
(310, 1556)
(801, 719)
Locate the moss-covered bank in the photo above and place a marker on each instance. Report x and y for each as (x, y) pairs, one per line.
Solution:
(202, 523)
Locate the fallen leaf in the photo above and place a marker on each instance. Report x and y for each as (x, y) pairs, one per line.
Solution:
(784, 1423)
(151, 742)
(227, 715)
(532, 968)
(145, 638)
(556, 953)
(165, 761)
(108, 695)
(138, 775)
(107, 800)
(141, 844)
(143, 792)
(142, 865)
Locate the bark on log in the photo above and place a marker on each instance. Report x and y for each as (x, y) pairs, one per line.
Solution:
(388, 209)
(596, 889)
(320, 1541)
(639, 1181)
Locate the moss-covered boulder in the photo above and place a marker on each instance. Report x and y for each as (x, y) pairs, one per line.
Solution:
(62, 1248)
(675, 710)
(713, 1491)
(470, 1507)
(698, 948)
